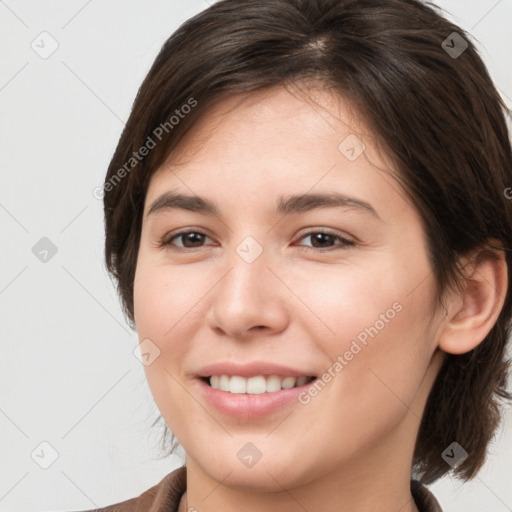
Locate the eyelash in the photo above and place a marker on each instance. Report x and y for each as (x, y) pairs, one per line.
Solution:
(166, 241)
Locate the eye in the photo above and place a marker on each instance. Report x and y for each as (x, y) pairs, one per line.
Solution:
(321, 240)
(191, 239)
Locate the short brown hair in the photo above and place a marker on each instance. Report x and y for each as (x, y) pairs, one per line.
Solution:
(437, 115)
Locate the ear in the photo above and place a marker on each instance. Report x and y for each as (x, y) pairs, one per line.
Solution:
(472, 312)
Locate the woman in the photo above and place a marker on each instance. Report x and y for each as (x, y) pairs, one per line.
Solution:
(307, 221)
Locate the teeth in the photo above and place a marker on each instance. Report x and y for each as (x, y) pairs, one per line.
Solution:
(288, 382)
(237, 384)
(223, 382)
(255, 385)
(301, 381)
(273, 383)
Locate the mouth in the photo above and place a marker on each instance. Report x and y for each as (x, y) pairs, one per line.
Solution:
(252, 390)
(256, 385)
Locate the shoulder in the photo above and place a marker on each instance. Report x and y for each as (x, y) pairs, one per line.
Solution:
(424, 499)
(164, 496)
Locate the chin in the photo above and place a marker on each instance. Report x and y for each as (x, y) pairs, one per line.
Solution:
(268, 474)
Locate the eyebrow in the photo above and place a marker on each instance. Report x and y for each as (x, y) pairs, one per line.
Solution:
(286, 205)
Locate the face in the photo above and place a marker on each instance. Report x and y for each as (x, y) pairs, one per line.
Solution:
(335, 291)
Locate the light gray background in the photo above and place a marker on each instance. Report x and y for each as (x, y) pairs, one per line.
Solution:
(68, 375)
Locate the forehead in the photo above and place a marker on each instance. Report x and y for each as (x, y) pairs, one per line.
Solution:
(274, 142)
(266, 116)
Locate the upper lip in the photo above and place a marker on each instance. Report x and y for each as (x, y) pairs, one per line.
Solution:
(252, 369)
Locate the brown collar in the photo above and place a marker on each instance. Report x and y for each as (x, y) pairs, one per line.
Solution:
(424, 499)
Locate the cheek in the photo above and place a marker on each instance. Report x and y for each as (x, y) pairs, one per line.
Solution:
(354, 301)
(157, 309)
(382, 349)
(374, 322)
(163, 298)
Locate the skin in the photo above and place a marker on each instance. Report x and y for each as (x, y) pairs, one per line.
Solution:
(350, 448)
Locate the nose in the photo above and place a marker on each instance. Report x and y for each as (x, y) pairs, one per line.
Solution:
(249, 298)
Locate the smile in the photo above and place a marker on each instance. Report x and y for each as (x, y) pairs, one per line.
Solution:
(256, 385)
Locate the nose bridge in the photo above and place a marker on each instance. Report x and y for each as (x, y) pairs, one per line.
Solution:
(246, 297)
(249, 275)
(250, 250)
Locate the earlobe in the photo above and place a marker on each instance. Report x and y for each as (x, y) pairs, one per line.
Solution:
(473, 312)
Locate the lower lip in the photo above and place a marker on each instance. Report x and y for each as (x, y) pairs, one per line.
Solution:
(247, 406)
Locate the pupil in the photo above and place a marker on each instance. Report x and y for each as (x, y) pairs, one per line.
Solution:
(190, 237)
(321, 235)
